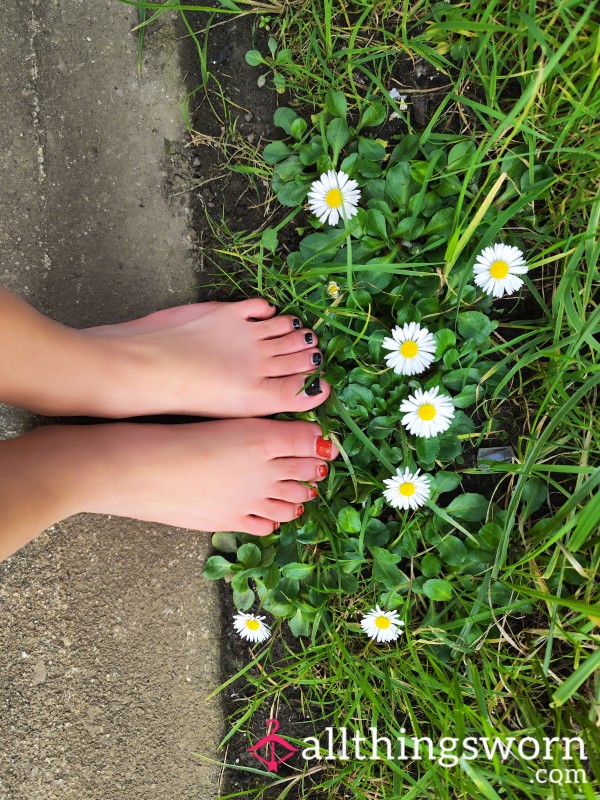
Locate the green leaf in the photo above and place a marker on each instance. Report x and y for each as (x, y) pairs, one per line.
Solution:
(446, 339)
(475, 326)
(466, 398)
(427, 449)
(269, 239)
(297, 571)
(436, 589)
(297, 128)
(376, 225)
(335, 103)
(440, 224)
(299, 624)
(377, 534)
(452, 551)
(276, 152)
(216, 567)
(250, 555)
(399, 186)
(385, 570)
(243, 600)
(370, 149)
(349, 520)
(254, 58)
(284, 118)
(225, 542)
(469, 506)
(535, 493)
(430, 565)
(374, 114)
(292, 194)
(337, 136)
(446, 481)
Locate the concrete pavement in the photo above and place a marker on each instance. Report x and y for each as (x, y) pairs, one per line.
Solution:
(109, 637)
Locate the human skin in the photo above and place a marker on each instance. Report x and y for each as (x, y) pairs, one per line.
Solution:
(240, 475)
(213, 359)
(206, 359)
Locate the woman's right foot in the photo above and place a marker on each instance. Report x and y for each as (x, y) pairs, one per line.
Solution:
(238, 475)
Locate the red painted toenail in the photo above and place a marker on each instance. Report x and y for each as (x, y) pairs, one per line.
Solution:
(322, 471)
(275, 526)
(299, 511)
(324, 447)
(313, 492)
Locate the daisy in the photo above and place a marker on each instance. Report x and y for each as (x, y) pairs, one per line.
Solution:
(333, 290)
(412, 347)
(407, 489)
(251, 627)
(333, 196)
(382, 626)
(427, 413)
(497, 269)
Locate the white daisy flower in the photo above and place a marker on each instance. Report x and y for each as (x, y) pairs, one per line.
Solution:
(401, 98)
(427, 413)
(333, 290)
(497, 269)
(251, 627)
(413, 349)
(382, 626)
(407, 489)
(333, 196)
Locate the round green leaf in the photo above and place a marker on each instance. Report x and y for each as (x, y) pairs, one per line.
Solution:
(437, 589)
(216, 567)
(254, 58)
(349, 519)
(249, 555)
(297, 571)
(469, 506)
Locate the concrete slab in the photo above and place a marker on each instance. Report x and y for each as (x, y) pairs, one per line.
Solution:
(109, 638)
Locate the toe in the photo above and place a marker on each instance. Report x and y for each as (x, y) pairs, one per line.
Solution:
(291, 343)
(255, 308)
(296, 393)
(301, 469)
(293, 492)
(258, 526)
(278, 326)
(304, 362)
(280, 511)
(300, 439)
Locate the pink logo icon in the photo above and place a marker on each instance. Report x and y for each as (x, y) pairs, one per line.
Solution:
(270, 741)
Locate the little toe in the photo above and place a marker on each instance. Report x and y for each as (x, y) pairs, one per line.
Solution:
(255, 308)
(295, 364)
(258, 526)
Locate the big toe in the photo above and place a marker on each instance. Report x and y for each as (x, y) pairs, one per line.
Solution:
(297, 392)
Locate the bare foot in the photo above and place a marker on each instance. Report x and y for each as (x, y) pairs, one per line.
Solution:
(211, 359)
(235, 475)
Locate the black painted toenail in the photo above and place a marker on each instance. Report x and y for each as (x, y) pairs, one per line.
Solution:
(308, 338)
(316, 359)
(314, 388)
(297, 324)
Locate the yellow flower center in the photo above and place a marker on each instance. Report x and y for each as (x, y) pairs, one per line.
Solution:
(406, 489)
(426, 411)
(333, 198)
(333, 289)
(252, 624)
(499, 270)
(382, 623)
(409, 349)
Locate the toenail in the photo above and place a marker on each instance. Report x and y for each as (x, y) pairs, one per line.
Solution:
(316, 359)
(299, 511)
(322, 471)
(324, 447)
(314, 388)
(308, 338)
(275, 526)
(297, 324)
(313, 492)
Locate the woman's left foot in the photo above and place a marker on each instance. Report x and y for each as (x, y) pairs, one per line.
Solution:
(210, 359)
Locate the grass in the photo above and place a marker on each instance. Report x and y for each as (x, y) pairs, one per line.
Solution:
(522, 78)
